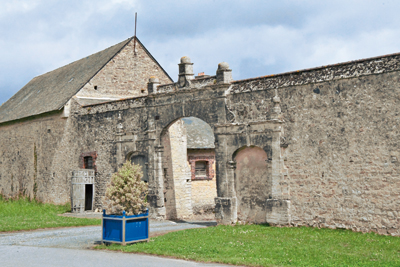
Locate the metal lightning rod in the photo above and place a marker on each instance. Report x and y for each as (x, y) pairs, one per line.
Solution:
(134, 42)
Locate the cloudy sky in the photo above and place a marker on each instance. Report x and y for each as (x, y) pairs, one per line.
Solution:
(255, 37)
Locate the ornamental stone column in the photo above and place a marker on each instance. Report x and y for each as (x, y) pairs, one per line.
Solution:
(226, 207)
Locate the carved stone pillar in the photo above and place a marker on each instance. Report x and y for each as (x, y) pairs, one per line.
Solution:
(226, 207)
(278, 208)
(159, 183)
(119, 133)
(230, 171)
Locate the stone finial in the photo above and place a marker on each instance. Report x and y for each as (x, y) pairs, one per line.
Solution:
(152, 85)
(276, 109)
(224, 74)
(185, 59)
(223, 66)
(185, 72)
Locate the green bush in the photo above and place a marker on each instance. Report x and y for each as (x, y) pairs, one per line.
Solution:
(126, 192)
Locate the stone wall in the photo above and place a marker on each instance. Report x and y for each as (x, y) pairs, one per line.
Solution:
(27, 159)
(112, 136)
(341, 141)
(331, 146)
(140, 124)
(179, 175)
(169, 183)
(343, 153)
(338, 140)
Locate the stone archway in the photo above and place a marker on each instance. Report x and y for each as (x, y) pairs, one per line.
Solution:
(189, 169)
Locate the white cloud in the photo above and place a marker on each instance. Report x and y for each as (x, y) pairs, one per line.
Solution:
(18, 6)
(255, 37)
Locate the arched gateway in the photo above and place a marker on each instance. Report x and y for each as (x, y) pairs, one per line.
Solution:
(209, 99)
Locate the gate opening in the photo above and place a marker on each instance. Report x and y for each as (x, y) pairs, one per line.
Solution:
(189, 169)
(88, 197)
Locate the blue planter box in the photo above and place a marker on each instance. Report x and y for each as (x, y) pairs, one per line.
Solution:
(125, 229)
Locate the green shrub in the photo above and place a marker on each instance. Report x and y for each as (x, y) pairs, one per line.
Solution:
(126, 192)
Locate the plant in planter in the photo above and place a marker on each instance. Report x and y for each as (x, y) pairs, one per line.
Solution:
(125, 201)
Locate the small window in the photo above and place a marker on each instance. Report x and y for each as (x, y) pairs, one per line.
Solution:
(88, 162)
(201, 169)
(95, 87)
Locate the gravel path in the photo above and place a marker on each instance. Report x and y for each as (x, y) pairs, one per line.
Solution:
(84, 237)
(70, 247)
(19, 256)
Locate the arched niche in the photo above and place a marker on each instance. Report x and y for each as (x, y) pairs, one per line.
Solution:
(141, 160)
(253, 178)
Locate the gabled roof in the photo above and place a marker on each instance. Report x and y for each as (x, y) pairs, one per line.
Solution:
(52, 90)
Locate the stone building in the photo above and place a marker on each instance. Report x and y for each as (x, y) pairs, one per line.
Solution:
(35, 158)
(312, 147)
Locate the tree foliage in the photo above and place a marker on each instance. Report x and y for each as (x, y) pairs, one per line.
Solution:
(126, 191)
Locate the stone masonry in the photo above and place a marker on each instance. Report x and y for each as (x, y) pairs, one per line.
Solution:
(328, 139)
(38, 154)
(122, 77)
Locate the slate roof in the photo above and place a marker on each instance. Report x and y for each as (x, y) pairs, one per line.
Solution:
(52, 90)
(199, 134)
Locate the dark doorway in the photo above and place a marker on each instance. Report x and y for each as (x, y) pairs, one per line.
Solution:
(88, 196)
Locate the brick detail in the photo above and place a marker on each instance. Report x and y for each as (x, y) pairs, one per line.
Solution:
(92, 154)
(210, 162)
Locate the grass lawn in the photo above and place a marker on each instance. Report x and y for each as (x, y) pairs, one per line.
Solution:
(22, 214)
(261, 245)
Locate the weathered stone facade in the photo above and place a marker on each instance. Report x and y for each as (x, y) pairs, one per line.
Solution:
(27, 158)
(39, 153)
(177, 183)
(315, 147)
(125, 76)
